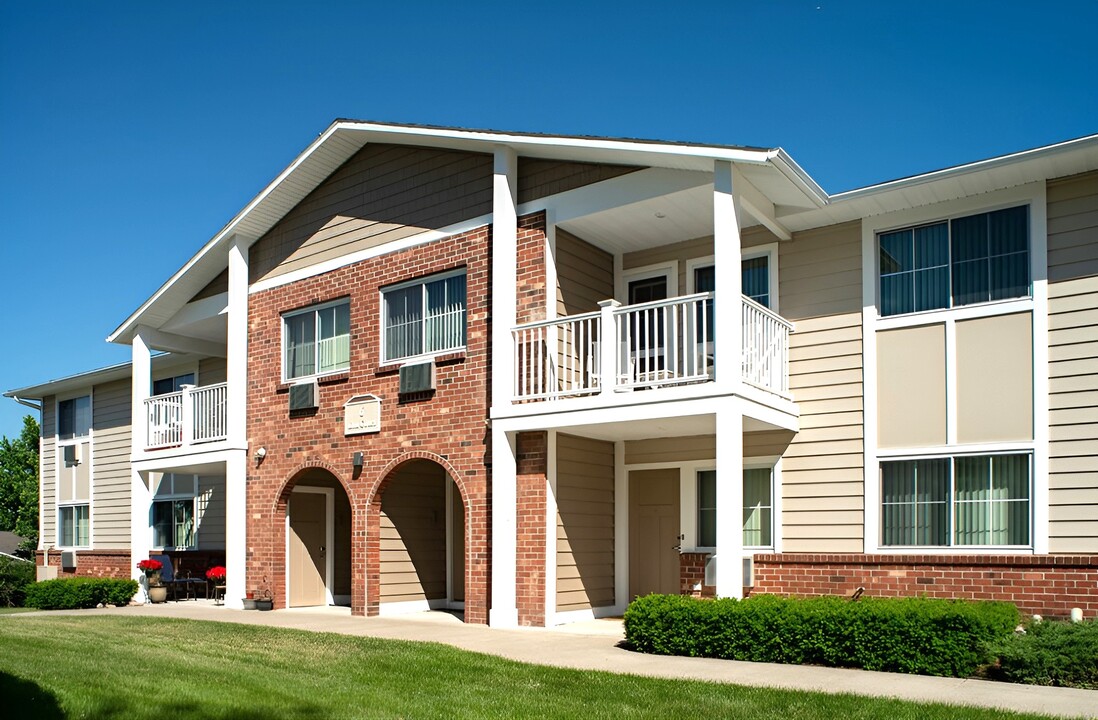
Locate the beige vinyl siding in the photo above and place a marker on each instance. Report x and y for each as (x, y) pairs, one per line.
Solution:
(47, 504)
(218, 285)
(383, 193)
(585, 275)
(210, 512)
(822, 487)
(413, 534)
(1073, 364)
(911, 387)
(585, 523)
(670, 450)
(111, 465)
(538, 178)
(678, 253)
(212, 371)
(995, 379)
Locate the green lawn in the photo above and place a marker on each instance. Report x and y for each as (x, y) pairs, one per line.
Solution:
(98, 667)
(12, 611)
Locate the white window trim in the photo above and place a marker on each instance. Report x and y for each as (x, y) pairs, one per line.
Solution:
(294, 313)
(769, 250)
(176, 495)
(667, 270)
(59, 465)
(414, 359)
(1033, 194)
(951, 454)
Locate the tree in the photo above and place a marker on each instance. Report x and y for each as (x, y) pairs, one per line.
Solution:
(19, 484)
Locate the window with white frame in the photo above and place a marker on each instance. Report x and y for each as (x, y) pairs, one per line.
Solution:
(758, 507)
(168, 385)
(74, 418)
(956, 501)
(424, 317)
(173, 516)
(755, 278)
(74, 525)
(317, 340)
(956, 262)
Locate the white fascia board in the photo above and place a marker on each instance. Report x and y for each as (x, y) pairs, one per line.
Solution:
(124, 331)
(788, 167)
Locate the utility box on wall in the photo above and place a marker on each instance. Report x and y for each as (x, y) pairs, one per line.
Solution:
(362, 414)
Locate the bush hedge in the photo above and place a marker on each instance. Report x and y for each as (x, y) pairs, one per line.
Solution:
(81, 592)
(1051, 653)
(909, 635)
(15, 575)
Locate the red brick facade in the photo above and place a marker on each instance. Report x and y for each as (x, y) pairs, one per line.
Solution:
(1044, 584)
(449, 427)
(530, 269)
(530, 518)
(92, 563)
(692, 575)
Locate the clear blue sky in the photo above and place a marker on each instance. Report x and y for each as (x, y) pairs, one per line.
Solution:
(130, 132)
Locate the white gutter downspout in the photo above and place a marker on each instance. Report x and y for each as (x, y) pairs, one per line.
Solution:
(26, 403)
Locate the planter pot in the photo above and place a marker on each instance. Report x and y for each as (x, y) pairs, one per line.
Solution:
(158, 594)
(249, 603)
(264, 604)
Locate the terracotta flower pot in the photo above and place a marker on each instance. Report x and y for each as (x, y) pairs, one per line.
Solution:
(158, 594)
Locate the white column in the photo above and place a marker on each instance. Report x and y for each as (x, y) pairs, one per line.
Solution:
(550, 528)
(730, 501)
(140, 497)
(504, 612)
(236, 467)
(608, 347)
(621, 529)
(727, 335)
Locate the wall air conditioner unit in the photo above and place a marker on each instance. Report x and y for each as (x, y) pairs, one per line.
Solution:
(71, 454)
(749, 571)
(304, 396)
(418, 378)
(68, 559)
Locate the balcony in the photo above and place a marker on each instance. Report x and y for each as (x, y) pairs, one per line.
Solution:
(192, 416)
(656, 344)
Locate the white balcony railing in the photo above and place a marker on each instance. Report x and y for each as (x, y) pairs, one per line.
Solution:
(666, 342)
(191, 416)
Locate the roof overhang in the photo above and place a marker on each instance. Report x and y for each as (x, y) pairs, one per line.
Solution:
(90, 378)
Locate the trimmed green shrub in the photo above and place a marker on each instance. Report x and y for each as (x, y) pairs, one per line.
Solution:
(909, 635)
(15, 575)
(81, 592)
(1051, 653)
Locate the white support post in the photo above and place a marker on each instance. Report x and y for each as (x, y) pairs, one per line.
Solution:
(504, 612)
(730, 501)
(140, 391)
(140, 497)
(621, 529)
(187, 414)
(551, 528)
(236, 466)
(504, 273)
(608, 347)
(140, 529)
(728, 332)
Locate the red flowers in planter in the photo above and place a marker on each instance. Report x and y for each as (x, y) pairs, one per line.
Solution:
(217, 574)
(150, 566)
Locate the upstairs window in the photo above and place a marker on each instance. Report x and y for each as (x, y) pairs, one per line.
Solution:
(74, 418)
(317, 341)
(424, 317)
(167, 386)
(967, 260)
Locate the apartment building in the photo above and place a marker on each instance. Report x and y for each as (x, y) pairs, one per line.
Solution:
(532, 377)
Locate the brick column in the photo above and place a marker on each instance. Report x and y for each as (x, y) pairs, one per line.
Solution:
(531, 542)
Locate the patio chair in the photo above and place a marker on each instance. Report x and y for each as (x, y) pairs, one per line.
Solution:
(170, 579)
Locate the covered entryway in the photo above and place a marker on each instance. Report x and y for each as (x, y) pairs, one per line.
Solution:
(654, 534)
(318, 542)
(422, 540)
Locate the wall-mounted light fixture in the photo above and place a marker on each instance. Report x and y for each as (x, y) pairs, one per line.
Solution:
(357, 461)
(260, 454)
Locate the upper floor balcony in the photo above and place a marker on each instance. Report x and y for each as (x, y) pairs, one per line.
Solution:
(655, 344)
(191, 416)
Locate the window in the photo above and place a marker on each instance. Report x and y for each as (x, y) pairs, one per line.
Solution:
(74, 418)
(166, 386)
(754, 278)
(957, 501)
(758, 508)
(424, 317)
(173, 522)
(317, 341)
(74, 526)
(963, 261)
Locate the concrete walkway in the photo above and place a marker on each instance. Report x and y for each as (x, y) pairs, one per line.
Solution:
(594, 646)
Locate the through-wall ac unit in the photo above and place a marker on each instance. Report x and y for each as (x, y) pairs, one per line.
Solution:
(71, 454)
(303, 396)
(68, 559)
(749, 572)
(418, 378)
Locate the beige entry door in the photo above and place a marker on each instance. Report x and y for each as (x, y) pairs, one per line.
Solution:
(654, 532)
(308, 553)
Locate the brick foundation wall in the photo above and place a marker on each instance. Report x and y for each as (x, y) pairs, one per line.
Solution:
(692, 575)
(92, 563)
(448, 427)
(1048, 585)
(530, 491)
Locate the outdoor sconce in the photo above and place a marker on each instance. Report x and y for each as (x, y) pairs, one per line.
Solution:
(260, 454)
(357, 461)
